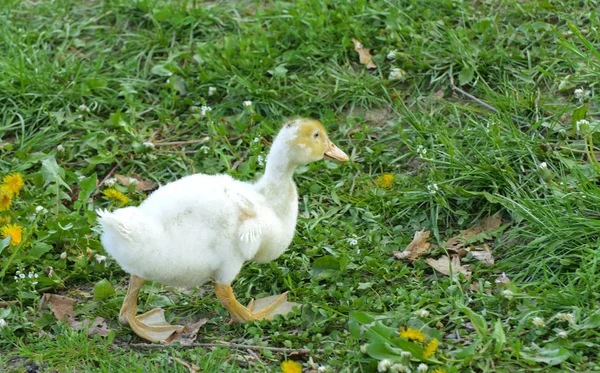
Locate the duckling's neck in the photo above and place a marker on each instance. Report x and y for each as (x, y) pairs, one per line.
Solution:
(277, 177)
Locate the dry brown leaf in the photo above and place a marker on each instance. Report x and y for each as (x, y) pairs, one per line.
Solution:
(191, 367)
(188, 335)
(442, 265)
(439, 94)
(364, 54)
(416, 248)
(98, 326)
(140, 184)
(62, 307)
(492, 222)
(474, 286)
(483, 254)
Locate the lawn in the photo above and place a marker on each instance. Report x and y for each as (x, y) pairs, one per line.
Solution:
(474, 121)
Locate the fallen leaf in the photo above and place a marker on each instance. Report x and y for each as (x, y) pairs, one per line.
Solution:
(442, 265)
(474, 286)
(191, 367)
(416, 248)
(492, 222)
(483, 254)
(364, 54)
(439, 94)
(98, 326)
(140, 184)
(188, 335)
(62, 307)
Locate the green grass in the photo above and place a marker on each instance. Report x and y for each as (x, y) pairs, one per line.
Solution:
(99, 79)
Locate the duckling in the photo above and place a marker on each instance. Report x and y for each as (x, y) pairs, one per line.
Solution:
(204, 227)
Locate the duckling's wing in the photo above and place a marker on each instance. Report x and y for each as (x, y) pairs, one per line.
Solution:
(249, 228)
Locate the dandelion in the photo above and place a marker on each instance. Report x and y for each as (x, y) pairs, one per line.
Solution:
(363, 348)
(397, 74)
(291, 366)
(5, 199)
(568, 317)
(110, 182)
(432, 188)
(385, 181)
(438, 370)
(422, 368)
(538, 322)
(422, 313)
(4, 219)
(247, 103)
(413, 335)
(115, 195)
(205, 109)
(392, 55)
(430, 348)
(384, 365)
(14, 231)
(3, 324)
(60, 148)
(212, 90)
(562, 334)
(261, 160)
(100, 258)
(14, 183)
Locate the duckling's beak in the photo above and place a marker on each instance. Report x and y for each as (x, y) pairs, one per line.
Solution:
(333, 153)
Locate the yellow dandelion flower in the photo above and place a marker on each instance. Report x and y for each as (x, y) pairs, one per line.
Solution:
(413, 335)
(4, 219)
(385, 181)
(5, 198)
(14, 231)
(115, 195)
(430, 348)
(291, 366)
(14, 183)
(439, 370)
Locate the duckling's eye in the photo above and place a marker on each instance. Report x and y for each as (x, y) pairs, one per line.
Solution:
(316, 135)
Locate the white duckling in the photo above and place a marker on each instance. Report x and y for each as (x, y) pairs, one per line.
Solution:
(205, 227)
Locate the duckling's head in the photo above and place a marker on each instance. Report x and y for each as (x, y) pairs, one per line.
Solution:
(305, 141)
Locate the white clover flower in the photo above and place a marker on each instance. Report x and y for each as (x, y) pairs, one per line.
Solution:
(352, 241)
(80, 177)
(100, 258)
(399, 368)
(507, 294)
(322, 369)
(421, 151)
(60, 148)
(212, 90)
(16, 278)
(3, 324)
(205, 149)
(581, 125)
(397, 74)
(110, 182)
(363, 348)
(148, 144)
(562, 334)
(261, 160)
(422, 368)
(205, 109)
(581, 94)
(35, 275)
(40, 210)
(422, 313)
(63, 255)
(538, 322)
(84, 108)
(543, 166)
(392, 55)
(247, 103)
(406, 355)
(384, 365)
(568, 317)
(30, 275)
(256, 139)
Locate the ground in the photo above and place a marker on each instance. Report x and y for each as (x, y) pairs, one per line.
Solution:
(157, 89)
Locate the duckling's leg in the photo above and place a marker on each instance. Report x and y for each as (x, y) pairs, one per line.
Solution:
(151, 325)
(269, 307)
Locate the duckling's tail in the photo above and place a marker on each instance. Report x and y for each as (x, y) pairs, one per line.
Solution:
(126, 229)
(118, 223)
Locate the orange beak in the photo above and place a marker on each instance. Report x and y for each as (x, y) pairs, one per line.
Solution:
(333, 153)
